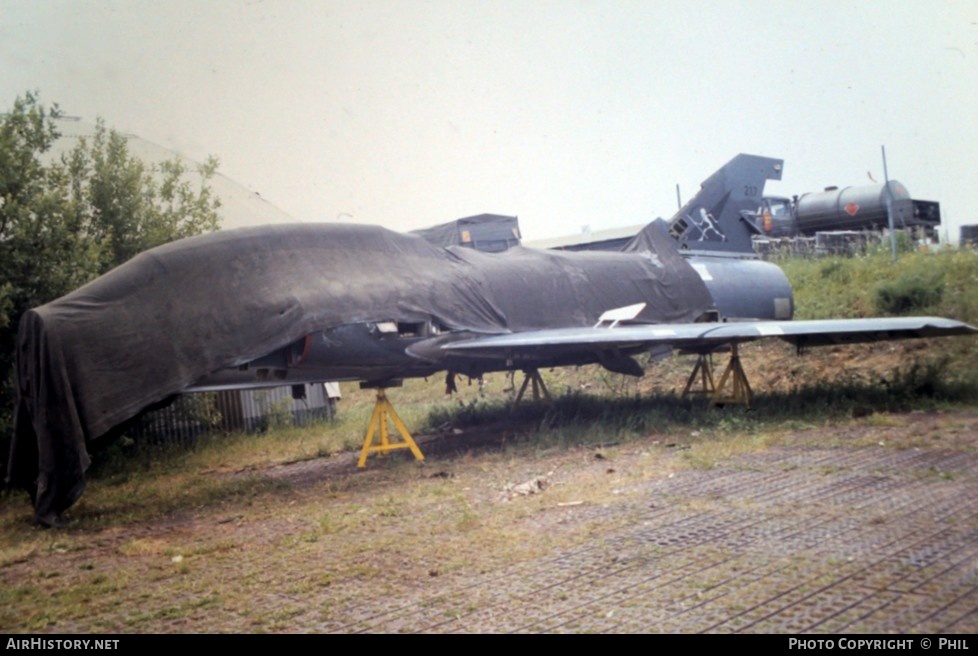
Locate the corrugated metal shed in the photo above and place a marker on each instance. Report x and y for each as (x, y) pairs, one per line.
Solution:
(193, 415)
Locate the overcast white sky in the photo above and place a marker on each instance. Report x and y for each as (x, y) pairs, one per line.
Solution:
(566, 113)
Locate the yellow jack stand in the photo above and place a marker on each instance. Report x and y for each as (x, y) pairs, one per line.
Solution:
(704, 367)
(539, 389)
(740, 391)
(384, 412)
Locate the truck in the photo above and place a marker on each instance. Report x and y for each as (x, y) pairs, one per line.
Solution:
(859, 208)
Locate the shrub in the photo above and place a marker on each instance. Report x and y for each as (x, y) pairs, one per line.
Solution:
(909, 293)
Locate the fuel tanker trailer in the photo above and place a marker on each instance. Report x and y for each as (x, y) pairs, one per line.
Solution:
(858, 208)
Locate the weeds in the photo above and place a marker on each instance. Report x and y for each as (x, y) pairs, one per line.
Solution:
(939, 282)
(577, 418)
(131, 482)
(909, 293)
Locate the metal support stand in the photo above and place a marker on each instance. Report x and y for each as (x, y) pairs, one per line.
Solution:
(384, 412)
(704, 367)
(740, 391)
(539, 389)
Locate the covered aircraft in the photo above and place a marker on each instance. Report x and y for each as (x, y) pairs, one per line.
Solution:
(273, 305)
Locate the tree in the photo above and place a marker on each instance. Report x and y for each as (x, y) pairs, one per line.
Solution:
(65, 220)
(39, 228)
(134, 206)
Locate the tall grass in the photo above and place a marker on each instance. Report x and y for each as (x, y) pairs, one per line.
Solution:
(942, 281)
(604, 417)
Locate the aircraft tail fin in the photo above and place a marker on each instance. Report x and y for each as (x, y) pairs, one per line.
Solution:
(717, 218)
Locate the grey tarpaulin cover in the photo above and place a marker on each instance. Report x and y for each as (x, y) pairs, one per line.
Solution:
(94, 359)
(485, 232)
(648, 238)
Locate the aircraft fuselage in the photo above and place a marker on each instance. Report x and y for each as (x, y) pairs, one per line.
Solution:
(387, 348)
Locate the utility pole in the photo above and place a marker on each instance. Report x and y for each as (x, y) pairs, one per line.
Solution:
(889, 206)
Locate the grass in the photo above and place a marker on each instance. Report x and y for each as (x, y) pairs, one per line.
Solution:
(129, 485)
(941, 281)
(395, 527)
(401, 523)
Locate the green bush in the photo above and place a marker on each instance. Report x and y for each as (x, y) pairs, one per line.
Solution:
(941, 282)
(909, 293)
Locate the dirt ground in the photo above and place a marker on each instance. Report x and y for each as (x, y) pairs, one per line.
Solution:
(870, 525)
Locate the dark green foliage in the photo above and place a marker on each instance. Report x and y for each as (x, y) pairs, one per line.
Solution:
(910, 293)
(940, 282)
(834, 269)
(65, 221)
(134, 206)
